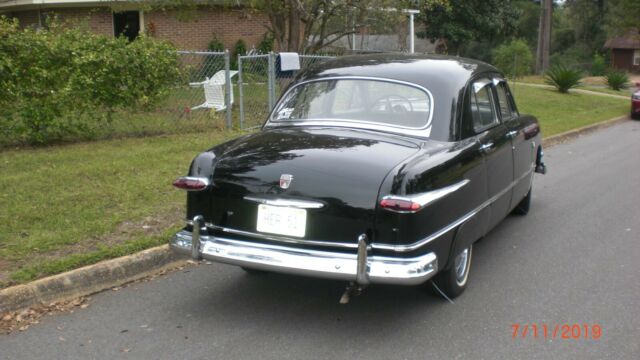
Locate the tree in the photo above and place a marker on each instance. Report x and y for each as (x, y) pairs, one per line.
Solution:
(311, 25)
(458, 22)
(622, 16)
(544, 36)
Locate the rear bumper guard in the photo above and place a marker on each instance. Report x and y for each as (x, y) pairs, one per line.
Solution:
(360, 267)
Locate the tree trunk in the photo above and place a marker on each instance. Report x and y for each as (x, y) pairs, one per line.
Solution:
(294, 29)
(544, 36)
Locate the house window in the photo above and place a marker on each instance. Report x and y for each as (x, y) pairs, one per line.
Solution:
(127, 24)
(636, 57)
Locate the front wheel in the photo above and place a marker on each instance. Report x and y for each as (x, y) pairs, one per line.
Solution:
(453, 281)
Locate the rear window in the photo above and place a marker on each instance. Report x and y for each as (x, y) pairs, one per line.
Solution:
(356, 100)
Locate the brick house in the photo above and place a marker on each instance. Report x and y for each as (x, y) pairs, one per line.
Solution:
(625, 51)
(194, 33)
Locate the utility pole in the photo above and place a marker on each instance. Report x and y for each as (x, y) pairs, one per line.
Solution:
(544, 36)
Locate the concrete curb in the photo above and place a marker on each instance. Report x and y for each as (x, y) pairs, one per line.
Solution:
(571, 134)
(107, 274)
(89, 279)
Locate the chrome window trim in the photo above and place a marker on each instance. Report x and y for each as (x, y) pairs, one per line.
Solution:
(300, 204)
(359, 123)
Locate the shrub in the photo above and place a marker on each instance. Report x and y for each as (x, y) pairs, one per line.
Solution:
(563, 78)
(215, 45)
(617, 79)
(240, 48)
(266, 44)
(65, 81)
(598, 65)
(514, 59)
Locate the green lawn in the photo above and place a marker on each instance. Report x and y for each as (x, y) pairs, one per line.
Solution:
(62, 207)
(561, 112)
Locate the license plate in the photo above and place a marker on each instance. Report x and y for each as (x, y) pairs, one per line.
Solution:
(282, 220)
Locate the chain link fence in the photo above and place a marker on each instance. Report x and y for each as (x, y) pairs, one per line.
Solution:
(260, 84)
(203, 101)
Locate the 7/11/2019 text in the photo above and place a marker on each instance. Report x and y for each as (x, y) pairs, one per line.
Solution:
(557, 331)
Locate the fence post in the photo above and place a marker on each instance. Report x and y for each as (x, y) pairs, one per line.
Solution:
(227, 82)
(240, 92)
(272, 80)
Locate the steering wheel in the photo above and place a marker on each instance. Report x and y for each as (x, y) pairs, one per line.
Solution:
(390, 103)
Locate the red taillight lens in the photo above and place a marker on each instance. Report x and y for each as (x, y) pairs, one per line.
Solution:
(399, 205)
(191, 183)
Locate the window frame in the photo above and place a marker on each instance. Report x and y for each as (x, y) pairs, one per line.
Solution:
(492, 101)
(362, 123)
(511, 104)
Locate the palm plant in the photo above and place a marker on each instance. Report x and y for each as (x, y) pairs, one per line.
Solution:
(563, 78)
(617, 79)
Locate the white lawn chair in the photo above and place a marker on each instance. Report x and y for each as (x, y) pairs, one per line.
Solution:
(214, 90)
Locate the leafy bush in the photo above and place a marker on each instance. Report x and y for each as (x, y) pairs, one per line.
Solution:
(617, 79)
(563, 78)
(598, 65)
(215, 45)
(64, 81)
(240, 48)
(266, 44)
(514, 59)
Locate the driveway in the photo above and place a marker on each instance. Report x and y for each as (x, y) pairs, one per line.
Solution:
(575, 259)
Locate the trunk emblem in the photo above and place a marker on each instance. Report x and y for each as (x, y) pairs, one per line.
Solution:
(285, 181)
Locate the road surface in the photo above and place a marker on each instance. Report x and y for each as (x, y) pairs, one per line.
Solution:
(575, 259)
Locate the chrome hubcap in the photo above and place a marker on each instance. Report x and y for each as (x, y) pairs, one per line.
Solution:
(461, 266)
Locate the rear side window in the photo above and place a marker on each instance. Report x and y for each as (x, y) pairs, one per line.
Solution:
(504, 104)
(482, 107)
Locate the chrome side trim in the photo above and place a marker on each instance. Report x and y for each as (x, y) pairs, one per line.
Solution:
(300, 204)
(453, 225)
(430, 196)
(375, 246)
(324, 264)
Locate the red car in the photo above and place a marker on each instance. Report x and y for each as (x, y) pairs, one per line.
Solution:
(635, 103)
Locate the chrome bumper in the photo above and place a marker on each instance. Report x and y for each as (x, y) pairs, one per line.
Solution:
(360, 267)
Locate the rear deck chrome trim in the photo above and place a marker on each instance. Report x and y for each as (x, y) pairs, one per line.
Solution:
(300, 204)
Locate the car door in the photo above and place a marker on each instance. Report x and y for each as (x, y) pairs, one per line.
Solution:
(523, 151)
(495, 146)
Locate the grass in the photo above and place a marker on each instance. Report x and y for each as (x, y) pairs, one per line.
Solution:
(562, 112)
(91, 200)
(67, 206)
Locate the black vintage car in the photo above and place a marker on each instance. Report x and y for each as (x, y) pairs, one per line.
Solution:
(371, 169)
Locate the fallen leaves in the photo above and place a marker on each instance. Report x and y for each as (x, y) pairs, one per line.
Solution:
(21, 320)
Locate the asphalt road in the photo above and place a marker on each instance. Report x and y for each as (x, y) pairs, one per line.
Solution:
(575, 259)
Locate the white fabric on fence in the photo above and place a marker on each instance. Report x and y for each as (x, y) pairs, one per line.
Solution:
(289, 61)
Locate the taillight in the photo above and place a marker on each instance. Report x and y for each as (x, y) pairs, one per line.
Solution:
(399, 204)
(191, 183)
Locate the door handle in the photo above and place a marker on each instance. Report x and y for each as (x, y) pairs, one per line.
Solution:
(486, 147)
(511, 134)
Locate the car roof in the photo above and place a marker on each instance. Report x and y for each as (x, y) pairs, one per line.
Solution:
(425, 70)
(444, 76)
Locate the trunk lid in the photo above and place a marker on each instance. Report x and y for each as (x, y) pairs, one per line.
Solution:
(341, 168)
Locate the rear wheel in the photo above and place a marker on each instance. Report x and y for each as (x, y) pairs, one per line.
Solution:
(453, 281)
(523, 206)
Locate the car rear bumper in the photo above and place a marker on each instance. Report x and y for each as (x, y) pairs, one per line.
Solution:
(359, 267)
